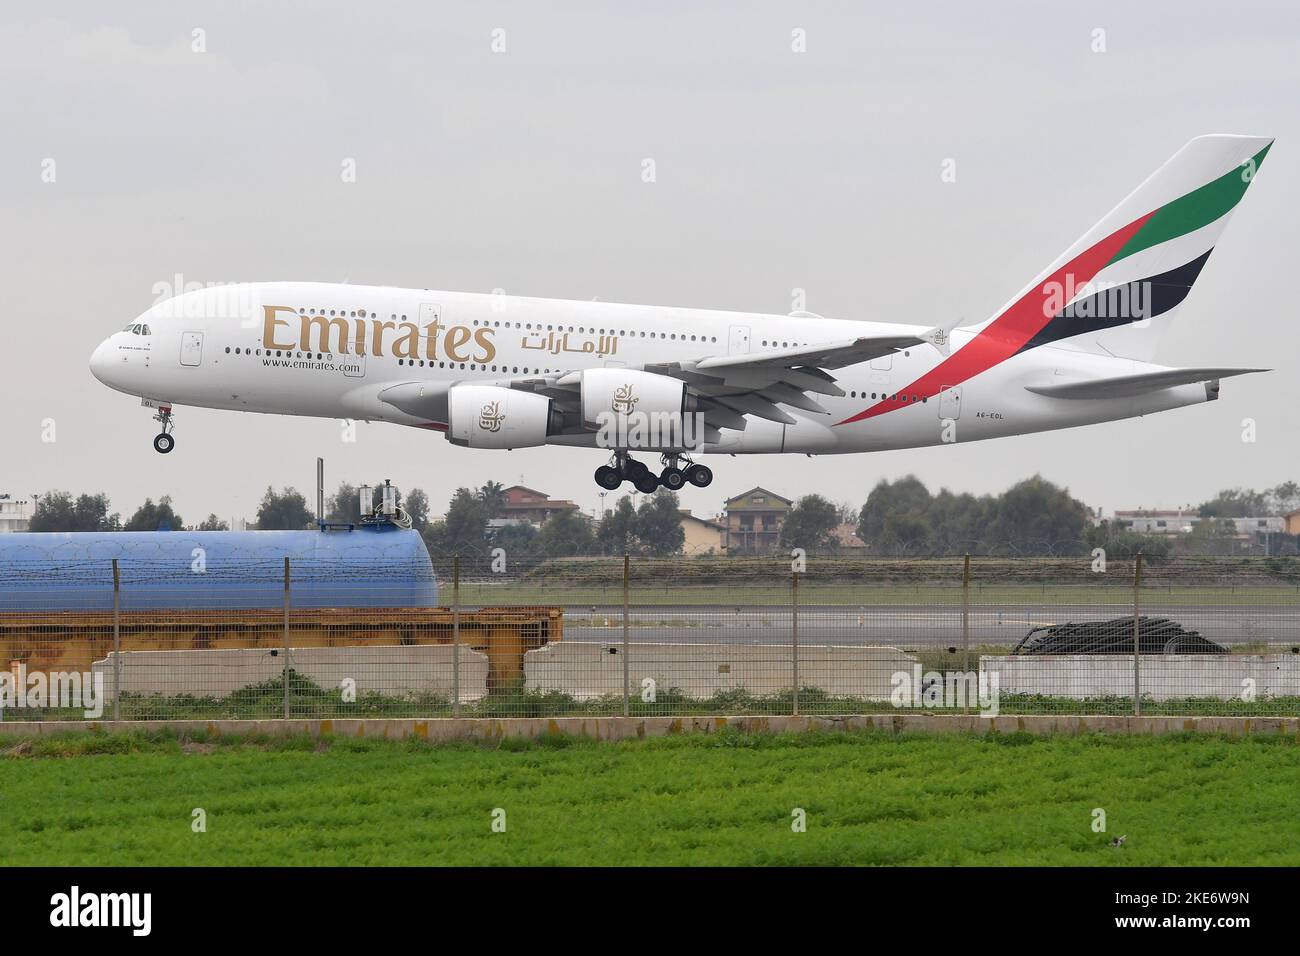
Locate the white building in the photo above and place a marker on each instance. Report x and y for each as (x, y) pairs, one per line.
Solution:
(15, 513)
(1176, 522)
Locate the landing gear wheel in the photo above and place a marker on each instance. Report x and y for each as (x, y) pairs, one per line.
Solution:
(647, 484)
(636, 470)
(163, 441)
(608, 478)
(700, 476)
(672, 479)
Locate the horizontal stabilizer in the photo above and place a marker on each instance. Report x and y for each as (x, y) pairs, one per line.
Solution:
(1123, 386)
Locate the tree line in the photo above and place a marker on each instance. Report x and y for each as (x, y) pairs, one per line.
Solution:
(471, 527)
(902, 517)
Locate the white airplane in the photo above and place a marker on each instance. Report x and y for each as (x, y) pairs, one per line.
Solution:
(1072, 348)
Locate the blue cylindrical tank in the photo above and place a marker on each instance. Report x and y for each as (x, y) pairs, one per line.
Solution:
(378, 566)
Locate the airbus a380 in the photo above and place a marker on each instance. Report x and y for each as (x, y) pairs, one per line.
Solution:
(1074, 347)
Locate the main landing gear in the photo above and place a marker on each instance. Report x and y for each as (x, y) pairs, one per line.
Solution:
(677, 471)
(163, 441)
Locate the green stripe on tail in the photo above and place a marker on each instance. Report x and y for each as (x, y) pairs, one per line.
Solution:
(1198, 208)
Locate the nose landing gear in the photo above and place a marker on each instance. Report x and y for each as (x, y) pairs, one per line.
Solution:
(163, 441)
(677, 471)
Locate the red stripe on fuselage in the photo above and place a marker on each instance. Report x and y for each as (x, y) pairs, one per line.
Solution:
(1005, 335)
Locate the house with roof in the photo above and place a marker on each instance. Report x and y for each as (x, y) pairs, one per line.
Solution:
(521, 504)
(753, 521)
(703, 535)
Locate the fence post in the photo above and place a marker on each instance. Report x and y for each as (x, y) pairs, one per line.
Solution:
(965, 612)
(794, 639)
(117, 642)
(455, 636)
(1137, 640)
(965, 628)
(627, 677)
(286, 637)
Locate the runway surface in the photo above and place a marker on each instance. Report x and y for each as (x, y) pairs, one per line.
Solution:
(912, 625)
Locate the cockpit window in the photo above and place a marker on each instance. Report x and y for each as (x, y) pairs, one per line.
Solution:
(145, 330)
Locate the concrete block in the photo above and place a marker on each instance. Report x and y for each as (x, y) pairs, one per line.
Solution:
(442, 730)
(588, 670)
(395, 671)
(1163, 676)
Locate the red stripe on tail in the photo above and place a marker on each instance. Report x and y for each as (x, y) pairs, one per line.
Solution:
(1021, 321)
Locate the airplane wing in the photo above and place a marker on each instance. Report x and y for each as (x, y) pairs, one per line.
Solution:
(731, 387)
(1123, 386)
(728, 388)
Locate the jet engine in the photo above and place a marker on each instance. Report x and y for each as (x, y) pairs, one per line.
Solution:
(611, 393)
(489, 416)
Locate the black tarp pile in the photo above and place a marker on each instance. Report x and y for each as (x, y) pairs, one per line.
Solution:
(1156, 635)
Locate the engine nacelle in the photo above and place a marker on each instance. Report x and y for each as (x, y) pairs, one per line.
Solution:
(622, 391)
(489, 416)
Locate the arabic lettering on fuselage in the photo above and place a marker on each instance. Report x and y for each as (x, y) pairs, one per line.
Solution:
(567, 342)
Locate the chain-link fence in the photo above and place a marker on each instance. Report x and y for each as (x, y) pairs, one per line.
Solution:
(651, 636)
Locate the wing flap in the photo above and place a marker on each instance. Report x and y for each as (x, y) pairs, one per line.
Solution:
(822, 355)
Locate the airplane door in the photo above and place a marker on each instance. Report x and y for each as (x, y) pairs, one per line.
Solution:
(429, 312)
(950, 402)
(738, 343)
(354, 366)
(427, 321)
(191, 348)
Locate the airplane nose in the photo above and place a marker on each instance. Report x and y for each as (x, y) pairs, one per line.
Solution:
(101, 362)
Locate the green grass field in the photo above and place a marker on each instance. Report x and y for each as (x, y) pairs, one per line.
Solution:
(725, 798)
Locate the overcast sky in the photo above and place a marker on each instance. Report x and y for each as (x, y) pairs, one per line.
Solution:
(521, 170)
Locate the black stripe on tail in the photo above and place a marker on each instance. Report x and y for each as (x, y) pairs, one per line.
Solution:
(1121, 304)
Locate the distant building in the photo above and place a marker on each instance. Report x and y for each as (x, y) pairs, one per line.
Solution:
(1173, 523)
(1292, 520)
(1272, 524)
(496, 524)
(1166, 522)
(754, 520)
(703, 536)
(15, 513)
(529, 505)
(846, 538)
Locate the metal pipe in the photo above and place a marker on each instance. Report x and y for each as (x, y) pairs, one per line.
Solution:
(455, 636)
(794, 639)
(1137, 636)
(117, 642)
(965, 626)
(286, 637)
(627, 679)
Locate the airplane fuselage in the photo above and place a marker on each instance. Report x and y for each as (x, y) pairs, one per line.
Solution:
(331, 351)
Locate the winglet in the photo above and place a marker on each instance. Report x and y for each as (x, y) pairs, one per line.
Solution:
(941, 337)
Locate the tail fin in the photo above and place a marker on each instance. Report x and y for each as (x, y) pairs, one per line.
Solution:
(1116, 289)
